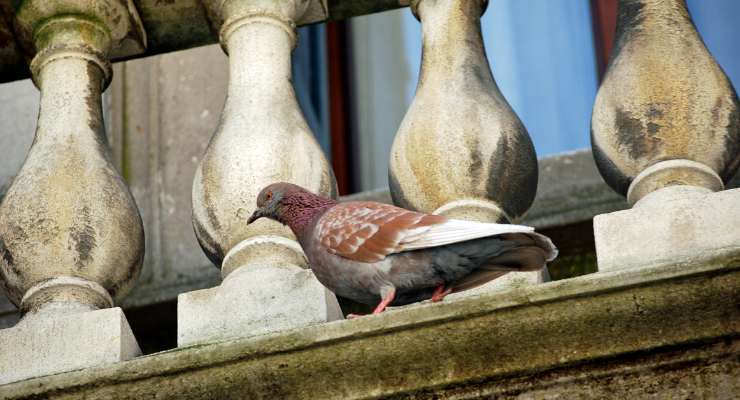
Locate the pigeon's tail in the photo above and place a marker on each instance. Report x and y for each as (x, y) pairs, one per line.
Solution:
(531, 252)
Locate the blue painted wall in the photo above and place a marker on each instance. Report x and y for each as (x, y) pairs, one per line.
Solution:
(718, 22)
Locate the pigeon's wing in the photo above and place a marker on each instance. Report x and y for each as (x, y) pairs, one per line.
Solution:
(369, 231)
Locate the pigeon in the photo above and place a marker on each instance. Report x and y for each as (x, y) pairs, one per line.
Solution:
(376, 253)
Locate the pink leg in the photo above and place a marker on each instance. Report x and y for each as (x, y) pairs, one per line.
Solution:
(440, 292)
(386, 300)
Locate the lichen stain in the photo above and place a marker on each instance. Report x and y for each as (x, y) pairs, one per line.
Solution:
(629, 20)
(654, 112)
(83, 236)
(481, 77)
(212, 217)
(653, 128)
(5, 254)
(632, 137)
(92, 101)
(731, 156)
(475, 169)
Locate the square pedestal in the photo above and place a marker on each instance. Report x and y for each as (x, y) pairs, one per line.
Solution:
(48, 345)
(254, 300)
(674, 225)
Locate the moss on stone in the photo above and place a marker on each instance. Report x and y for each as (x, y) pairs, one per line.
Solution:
(572, 266)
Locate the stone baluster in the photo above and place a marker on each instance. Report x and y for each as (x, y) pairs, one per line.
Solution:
(461, 151)
(666, 133)
(71, 239)
(262, 138)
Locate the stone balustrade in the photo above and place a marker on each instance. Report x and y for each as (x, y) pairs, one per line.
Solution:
(71, 238)
(665, 131)
(461, 151)
(176, 25)
(262, 138)
(666, 134)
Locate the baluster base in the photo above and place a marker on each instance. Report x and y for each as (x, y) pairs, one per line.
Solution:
(254, 300)
(52, 344)
(673, 225)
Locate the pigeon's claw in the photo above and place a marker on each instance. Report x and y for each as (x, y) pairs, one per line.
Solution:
(440, 292)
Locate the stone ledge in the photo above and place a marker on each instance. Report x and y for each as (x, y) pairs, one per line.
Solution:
(456, 347)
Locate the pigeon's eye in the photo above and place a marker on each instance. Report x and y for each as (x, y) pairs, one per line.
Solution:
(268, 196)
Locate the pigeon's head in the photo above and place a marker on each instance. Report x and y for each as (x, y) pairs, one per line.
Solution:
(285, 202)
(270, 199)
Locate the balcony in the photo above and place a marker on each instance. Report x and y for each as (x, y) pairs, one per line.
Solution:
(110, 230)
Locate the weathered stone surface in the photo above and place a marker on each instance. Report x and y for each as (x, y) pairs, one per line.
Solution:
(677, 224)
(120, 17)
(53, 220)
(262, 136)
(662, 332)
(254, 300)
(664, 97)
(461, 151)
(49, 345)
(180, 24)
(71, 239)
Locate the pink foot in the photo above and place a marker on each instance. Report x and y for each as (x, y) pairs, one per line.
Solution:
(439, 293)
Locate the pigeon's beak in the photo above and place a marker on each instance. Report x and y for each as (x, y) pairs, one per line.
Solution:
(258, 213)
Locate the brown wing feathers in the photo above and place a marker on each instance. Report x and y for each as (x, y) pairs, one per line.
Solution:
(368, 232)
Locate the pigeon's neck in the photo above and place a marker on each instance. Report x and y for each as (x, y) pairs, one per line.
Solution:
(301, 215)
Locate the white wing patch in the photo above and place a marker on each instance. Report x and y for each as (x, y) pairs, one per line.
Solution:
(454, 231)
